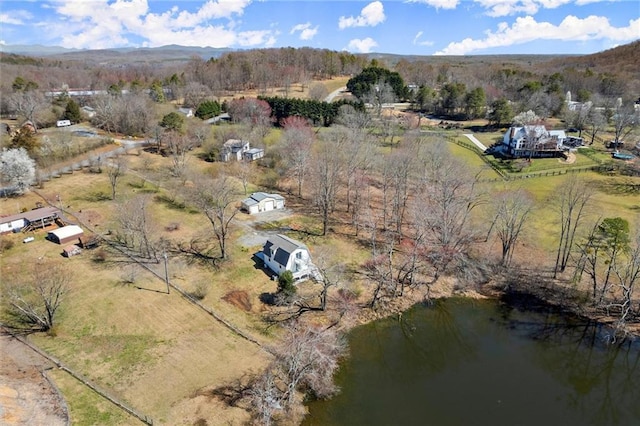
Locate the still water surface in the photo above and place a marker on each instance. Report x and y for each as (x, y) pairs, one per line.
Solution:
(470, 362)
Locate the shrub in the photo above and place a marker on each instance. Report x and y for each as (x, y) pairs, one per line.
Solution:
(285, 284)
(5, 244)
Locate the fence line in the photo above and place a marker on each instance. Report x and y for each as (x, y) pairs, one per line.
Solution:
(103, 393)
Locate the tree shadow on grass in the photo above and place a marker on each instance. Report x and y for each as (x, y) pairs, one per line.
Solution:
(96, 196)
(174, 204)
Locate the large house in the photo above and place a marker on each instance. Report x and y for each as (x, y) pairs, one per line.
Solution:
(280, 253)
(262, 202)
(532, 141)
(36, 218)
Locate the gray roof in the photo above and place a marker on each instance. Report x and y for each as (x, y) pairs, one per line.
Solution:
(259, 196)
(33, 215)
(283, 246)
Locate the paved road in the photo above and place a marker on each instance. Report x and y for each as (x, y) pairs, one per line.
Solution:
(335, 93)
(476, 142)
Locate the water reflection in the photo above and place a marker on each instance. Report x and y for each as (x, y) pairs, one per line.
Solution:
(462, 362)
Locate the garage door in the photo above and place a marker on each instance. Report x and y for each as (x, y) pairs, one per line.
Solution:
(268, 205)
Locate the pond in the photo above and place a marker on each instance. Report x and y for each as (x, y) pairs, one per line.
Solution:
(480, 362)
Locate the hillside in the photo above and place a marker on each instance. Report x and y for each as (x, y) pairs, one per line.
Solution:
(621, 59)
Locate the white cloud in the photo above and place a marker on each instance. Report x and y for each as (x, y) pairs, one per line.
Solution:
(105, 23)
(15, 17)
(306, 32)
(362, 45)
(370, 16)
(497, 8)
(526, 29)
(416, 40)
(438, 4)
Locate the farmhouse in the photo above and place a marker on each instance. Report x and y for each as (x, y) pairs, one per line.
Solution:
(262, 202)
(36, 218)
(233, 150)
(532, 141)
(66, 234)
(280, 253)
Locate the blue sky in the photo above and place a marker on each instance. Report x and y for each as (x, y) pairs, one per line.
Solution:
(420, 27)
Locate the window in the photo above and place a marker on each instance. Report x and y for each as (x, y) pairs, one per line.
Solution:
(299, 255)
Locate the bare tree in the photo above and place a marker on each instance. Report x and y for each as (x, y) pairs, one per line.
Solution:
(116, 168)
(327, 169)
(136, 227)
(308, 356)
(178, 146)
(298, 138)
(595, 122)
(512, 209)
(331, 272)
(28, 104)
(217, 199)
(34, 299)
(448, 194)
(625, 120)
(318, 91)
(244, 172)
(572, 199)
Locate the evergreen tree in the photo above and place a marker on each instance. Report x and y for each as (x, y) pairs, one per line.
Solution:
(72, 112)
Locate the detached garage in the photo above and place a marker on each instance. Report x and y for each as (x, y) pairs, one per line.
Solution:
(262, 202)
(66, 234)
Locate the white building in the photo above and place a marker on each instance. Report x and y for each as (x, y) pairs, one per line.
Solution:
(262, 202)
(234, 149)
(533, 141)
(280, 253)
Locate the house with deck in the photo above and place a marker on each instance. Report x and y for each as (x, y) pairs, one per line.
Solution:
(281, 253)
(29, 220)
(532, 141)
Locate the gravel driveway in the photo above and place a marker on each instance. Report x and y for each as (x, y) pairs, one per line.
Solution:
(252, 237)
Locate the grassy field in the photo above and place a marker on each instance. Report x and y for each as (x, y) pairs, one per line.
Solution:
(157, 351)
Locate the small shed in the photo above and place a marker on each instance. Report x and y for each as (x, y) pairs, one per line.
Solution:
(89, 242)
(66, 234)
(71, 250)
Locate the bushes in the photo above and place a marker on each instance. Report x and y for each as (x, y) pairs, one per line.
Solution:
(286, 288)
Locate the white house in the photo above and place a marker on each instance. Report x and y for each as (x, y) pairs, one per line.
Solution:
(280, 253)
(262, 202)
(234, 149)
(533, 141)
(36, 218)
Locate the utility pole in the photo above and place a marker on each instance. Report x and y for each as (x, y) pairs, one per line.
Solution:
(166, 270)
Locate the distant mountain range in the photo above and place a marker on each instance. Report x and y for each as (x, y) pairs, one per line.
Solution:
(173, 52)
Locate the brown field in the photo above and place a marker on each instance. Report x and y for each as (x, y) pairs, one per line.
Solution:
(157, 351)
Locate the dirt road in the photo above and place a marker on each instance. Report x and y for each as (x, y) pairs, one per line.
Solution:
(26, 397)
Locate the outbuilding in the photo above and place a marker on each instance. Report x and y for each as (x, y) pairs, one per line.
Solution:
(66, 234)
(262, 202)
(71, 250)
